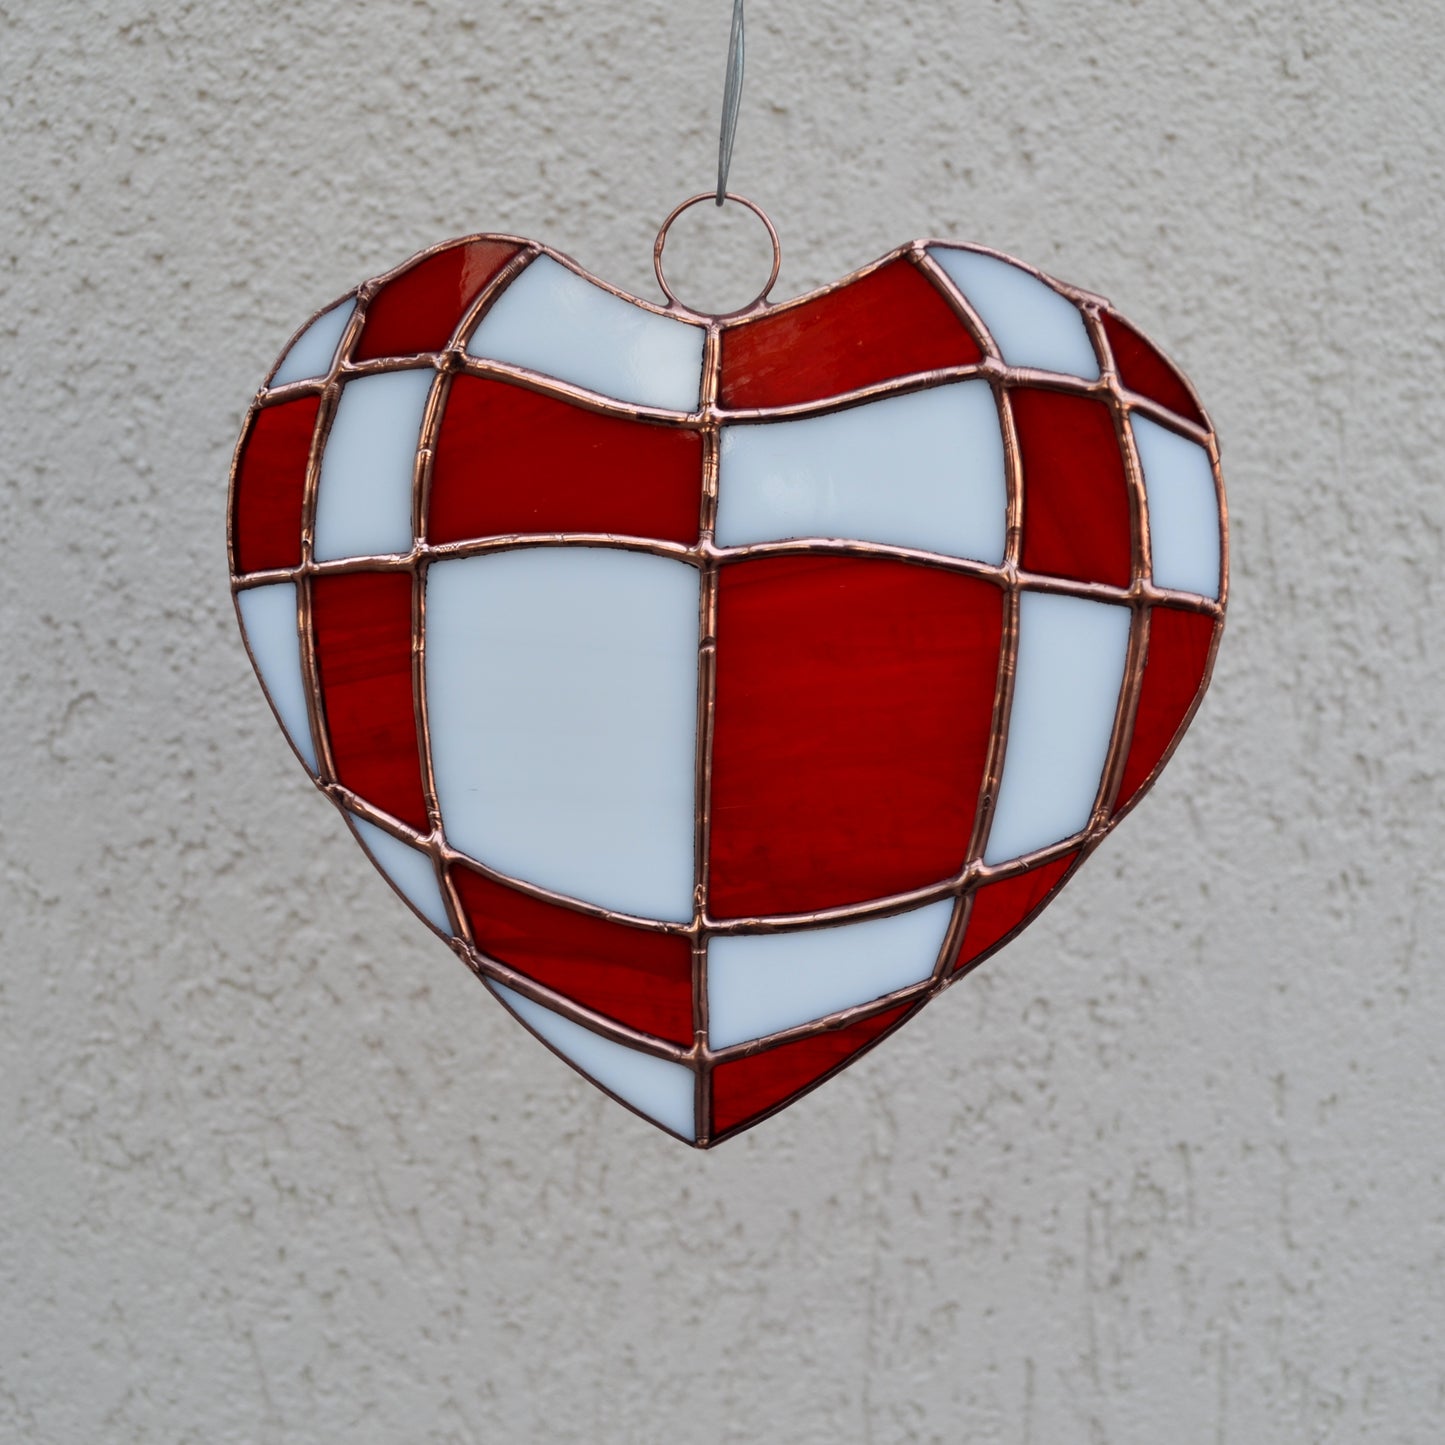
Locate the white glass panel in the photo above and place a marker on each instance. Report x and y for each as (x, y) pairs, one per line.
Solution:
(759, 984)
(409, 868)
(554, 321)
(1031, 323)
(363, 500)
(659, 1088)
(1066, 691)
(922, 470)
(269, 616)
(1183, 508)
(312, 352)
(562, 699)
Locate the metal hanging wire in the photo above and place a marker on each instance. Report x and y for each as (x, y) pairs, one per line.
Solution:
(732, 98)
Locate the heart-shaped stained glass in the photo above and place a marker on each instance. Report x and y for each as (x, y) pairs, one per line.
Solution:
(722, 689)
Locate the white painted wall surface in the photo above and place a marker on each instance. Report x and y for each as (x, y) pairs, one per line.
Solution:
(275, 1168)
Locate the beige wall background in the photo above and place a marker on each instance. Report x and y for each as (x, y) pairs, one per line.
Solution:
(272, 1165)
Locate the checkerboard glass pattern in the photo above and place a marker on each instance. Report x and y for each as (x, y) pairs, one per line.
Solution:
(723, 690)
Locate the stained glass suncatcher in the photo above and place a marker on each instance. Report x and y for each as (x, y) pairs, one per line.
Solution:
(724, 689)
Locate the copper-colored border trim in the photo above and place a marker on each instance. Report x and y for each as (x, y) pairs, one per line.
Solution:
(706, 712)
(879, 907)
(325, 416)
(989, 369)
(705, 555)
(1140, 597)
(1139, 569)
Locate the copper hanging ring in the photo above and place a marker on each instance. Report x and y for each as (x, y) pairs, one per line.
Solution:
(758, 301)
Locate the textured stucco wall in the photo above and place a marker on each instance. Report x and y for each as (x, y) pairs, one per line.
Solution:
(272, 1165)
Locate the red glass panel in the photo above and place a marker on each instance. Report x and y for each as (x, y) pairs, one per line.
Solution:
(270, 483)
(892, 322)
(420, 309)
(853, 710)
(999, 908)
(513, 460)
(1076, 501)
(362, 625)
(1179, 645)
(1143, 369)
(747, 1087)
(641, 979)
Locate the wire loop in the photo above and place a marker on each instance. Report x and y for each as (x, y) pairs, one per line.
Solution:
(761, 298)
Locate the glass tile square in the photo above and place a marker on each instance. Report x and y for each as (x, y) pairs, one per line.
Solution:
(662, 1090)
(562, 702)
(1070, 669)
(553, 321)
(1032, 324)
(364, 497)
(419, 310)
(923, 470)
(510, 461)
(1179, 644)
(743, 1089)
(362, 626)
(890, 323)
(639, 978)
(311, 355)
(853, 710)
(271, 485)
(1143, 369)
(1076, 498)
